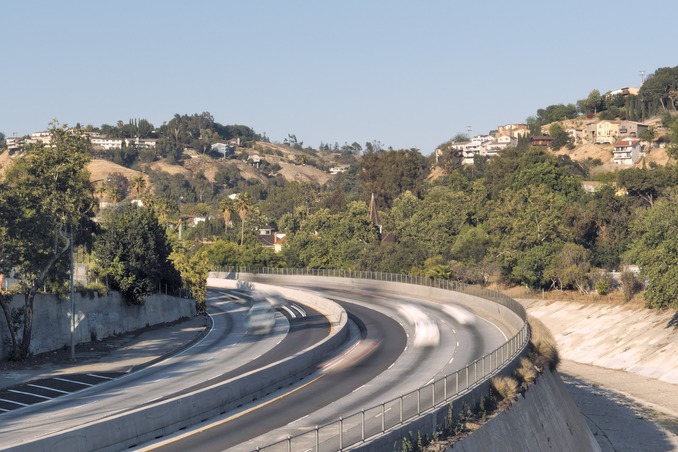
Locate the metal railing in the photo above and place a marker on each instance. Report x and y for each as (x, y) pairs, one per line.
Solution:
(355, 428)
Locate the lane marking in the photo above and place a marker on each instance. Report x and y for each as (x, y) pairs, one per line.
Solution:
(30, 394)
(48, 388)
(73, 381)
(289, 311)
(99, 376)
(12, 401)
(298, 309)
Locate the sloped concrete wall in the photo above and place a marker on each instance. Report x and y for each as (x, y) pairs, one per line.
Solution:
(96, 317)
(545, 419)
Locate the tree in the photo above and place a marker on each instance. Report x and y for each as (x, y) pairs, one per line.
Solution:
(592, 104)
(227, 207)
(570, 268)
(560, 136)
(134, 252)
(139, 183)
(194, 271)
(45, 200)
(655, 250)
(243, 204)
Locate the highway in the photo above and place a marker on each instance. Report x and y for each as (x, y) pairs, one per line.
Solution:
(379, 363)
(393, 367)
(227, 350)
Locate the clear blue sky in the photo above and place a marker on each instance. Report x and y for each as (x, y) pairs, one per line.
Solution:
(408, 74)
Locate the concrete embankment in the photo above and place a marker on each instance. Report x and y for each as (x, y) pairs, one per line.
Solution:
(545, 418)
(632, 339)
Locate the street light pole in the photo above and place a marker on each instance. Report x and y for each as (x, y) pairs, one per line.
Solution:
(72, 301)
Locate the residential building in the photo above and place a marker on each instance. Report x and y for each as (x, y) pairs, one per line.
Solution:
(268, 238)
(513, 130)
(542, 141)
(632, 129)
(627, 151)
(14, 143)
(607, 132)
(339, 169)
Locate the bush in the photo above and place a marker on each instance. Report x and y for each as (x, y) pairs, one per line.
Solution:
(605, 284)
(630, 285)
(506, 388)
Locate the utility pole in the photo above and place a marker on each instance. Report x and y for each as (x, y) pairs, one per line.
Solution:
(642, 76)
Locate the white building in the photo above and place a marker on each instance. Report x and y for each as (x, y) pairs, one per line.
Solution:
(626, 151)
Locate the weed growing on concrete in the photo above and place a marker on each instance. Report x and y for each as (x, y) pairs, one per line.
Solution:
(543, 349)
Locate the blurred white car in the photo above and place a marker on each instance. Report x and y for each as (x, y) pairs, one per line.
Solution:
(426, 332)
(461, 315)
(261, 318)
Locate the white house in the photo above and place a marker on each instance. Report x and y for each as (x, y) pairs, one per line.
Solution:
(627, 151)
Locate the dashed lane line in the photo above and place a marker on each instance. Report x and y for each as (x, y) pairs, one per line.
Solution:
(30, 394)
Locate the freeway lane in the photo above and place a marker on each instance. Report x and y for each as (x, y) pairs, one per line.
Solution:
(394, 368)
(310, 397)
(415, 367)
(225, 351)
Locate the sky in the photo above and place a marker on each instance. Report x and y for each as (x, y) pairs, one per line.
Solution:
(406, 74)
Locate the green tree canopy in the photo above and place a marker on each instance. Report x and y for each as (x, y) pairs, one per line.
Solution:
(655, 250)
(134, 252)
(45, 199)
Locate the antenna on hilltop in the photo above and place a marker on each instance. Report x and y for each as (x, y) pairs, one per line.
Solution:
(469, 129)
(642, 76)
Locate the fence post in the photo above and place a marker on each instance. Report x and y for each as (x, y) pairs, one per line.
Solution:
(317, 439)
(341, 433)
(445, 388)
(433, 394)
(401, 409)
(289, 443)
(383, 418)
(363, 425)
(418, 401)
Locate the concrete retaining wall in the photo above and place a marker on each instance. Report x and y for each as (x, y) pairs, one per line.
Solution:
(96, 318)
(147, 423)
(546, 418)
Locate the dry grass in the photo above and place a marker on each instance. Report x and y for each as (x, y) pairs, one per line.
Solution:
(506, 388)
(544, 345)
(526, 372)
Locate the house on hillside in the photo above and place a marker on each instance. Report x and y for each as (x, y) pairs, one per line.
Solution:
(268, 238)
(627, 151)
(542, 141)
(607, 132)
(631, 129)
(513, 130)
(339, 169)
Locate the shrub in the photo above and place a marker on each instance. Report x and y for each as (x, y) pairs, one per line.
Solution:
(545, 352)
(605, 284)
(526, 372)
(506, 388)
(630, 285)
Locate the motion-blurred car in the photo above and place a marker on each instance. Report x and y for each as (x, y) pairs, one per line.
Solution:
(426, 332)
(261, 318)
(461, 315)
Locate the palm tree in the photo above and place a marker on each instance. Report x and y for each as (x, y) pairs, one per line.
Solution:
(227, 205)
(139, 184)
(243, 204)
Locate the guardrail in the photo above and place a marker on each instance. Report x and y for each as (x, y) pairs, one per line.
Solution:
(359, 427)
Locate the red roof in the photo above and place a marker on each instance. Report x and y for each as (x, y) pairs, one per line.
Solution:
(626, 142)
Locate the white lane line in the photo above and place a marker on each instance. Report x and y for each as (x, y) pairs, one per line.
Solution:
(450, 361)
(12, 401)
(99, 376)
(73, 381)
(358, 389)
(457, 343)
(298, 309)
(30, 394)
(4, 410)
(289, 311)
(48, 388)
